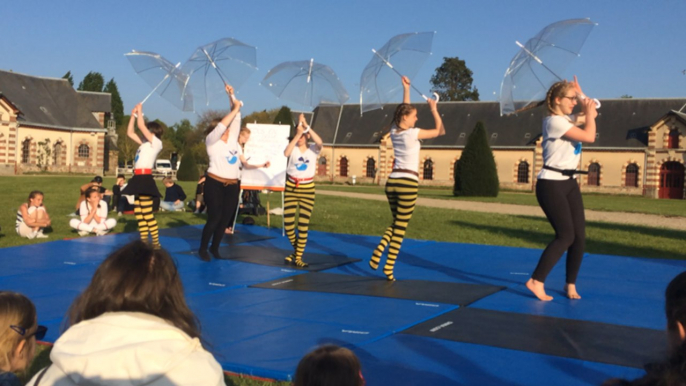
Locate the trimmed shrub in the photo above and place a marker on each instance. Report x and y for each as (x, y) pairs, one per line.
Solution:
(188, 171)
(476, 174)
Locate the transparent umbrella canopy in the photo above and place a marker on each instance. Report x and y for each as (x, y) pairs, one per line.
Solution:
(539, 63)
(225, 61)
(306, 82)
(402, 55)
(164, 77)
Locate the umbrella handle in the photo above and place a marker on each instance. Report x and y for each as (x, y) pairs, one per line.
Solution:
(597, 102)
(435, 96)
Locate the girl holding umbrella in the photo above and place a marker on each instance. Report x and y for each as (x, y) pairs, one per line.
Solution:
(403, 182)
(299, 193)
(142, 185)
(557, 190)
(222, 185)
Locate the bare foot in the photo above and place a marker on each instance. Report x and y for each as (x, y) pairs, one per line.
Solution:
(538, 289)
(228, 231)
(570, 289)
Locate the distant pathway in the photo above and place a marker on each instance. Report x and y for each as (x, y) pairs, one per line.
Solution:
(650, 220)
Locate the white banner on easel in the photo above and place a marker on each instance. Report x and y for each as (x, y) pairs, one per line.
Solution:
(267, 143)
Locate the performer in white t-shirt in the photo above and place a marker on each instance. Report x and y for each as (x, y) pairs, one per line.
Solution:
(403, 182)
(93, 212)
(557, 190)
(222, 185)
(299, 193)
(142, 185)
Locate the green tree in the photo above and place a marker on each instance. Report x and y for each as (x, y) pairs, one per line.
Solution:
(127, 148)
(284, 117)
(188, 170)
(264, 116)
(93, 81)
(476, 173)
(117, 104)
(626, 96)
(69, 78)
(452, 81)
(182, 132)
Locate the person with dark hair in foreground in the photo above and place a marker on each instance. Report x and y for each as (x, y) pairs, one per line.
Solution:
(671, 372)
(329, 365)
(132, 325)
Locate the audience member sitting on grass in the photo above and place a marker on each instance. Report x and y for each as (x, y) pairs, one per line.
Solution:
(329, 365)
(132, 326)
(18, 335)
(93, 212)
(96, 182)
(32, 217)
(199, 204)
(671, 372)
(121, 203)
(173, 197)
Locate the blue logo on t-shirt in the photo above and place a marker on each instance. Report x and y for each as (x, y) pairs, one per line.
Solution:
(232, 159)
(577, 148)
(138, 153)
(302, 164)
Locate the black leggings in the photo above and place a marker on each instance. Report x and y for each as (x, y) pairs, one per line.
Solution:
(219, 199)
(561, 201)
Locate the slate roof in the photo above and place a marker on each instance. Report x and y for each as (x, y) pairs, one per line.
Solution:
(621, 123)
(53, 103)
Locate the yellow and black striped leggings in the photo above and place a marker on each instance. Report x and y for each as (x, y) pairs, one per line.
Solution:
(294, 197)
(147, 225)
(402, 196)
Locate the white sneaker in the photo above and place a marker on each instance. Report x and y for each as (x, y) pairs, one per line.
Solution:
(83, 233)
(180, 210)
(40, 235)
(101, 232)
(119, 214)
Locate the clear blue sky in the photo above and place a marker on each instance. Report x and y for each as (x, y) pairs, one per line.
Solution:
(636, 49)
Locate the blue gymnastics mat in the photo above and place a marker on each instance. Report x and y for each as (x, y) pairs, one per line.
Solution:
(264, 332)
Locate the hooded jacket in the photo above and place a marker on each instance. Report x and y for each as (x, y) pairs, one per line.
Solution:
(129, 348)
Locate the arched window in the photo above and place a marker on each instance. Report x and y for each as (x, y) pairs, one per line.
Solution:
(594, 174)
(371, 168)
(321, 166)
(84, 151)
(673, 139)
(523, 172)
(631, 175)
(428, 169)
(26, 151)
(57, 154)
(344, 166)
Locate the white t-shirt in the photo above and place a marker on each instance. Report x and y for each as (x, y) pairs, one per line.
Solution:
(303, 165)
(225, 157)
(406, 148)
(558, 152)
(101, 210)
(147, 153)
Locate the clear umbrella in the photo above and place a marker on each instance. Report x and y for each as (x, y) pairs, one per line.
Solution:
(225, 61)
(306, 82)
(402, 55)
(165, 78)
(539, 62)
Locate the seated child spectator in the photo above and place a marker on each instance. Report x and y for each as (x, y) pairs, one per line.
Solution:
(121, 203)
(132, 326)
(32, 217)
(329, 365)
(95, 182)
(93, 212)
(671, 372)
(173, 197)
(18, 335)
(200, 196)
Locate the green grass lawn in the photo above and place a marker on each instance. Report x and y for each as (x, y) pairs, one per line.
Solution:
(366, 217)
(592, 201)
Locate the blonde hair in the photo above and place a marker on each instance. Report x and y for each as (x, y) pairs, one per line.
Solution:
(167, 180)
(557, 90)
(15, 310)
(244, 130)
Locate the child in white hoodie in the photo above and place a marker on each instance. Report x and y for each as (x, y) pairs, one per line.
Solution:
(132, 326)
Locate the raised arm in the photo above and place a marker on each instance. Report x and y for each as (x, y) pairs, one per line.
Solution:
(130, 131)
(406, 89)
(141, 124)
(587, 134)
(439, 129)
(315, 137)
(235, 107)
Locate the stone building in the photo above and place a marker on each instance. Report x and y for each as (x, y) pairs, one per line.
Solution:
(639, 148)
(46, 125)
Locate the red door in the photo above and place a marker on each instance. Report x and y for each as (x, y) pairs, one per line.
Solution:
(672, 180)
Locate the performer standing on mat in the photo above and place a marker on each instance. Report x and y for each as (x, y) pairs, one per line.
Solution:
(557, 190)
(402, 184)
(222, 185)
(299, 193)
(142, 185)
